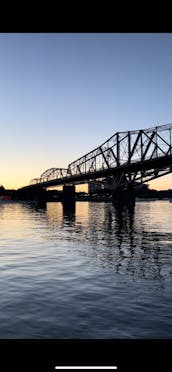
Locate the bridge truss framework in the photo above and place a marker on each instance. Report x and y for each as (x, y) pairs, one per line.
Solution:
(129, 157)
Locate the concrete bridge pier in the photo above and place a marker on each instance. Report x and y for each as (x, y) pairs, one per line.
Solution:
(68, 195)
(123, 194)
(40, 198)
(123, 197)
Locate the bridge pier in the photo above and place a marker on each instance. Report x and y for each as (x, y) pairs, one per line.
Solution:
(124, 196)
(40, 198)
(68, 194)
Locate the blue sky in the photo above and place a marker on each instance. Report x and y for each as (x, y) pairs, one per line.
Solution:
(61, 95)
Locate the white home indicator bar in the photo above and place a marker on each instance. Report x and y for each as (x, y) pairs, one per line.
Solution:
(86, 367)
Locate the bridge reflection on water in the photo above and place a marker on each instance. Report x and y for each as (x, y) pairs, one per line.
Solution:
(134, 241)
(91, 272)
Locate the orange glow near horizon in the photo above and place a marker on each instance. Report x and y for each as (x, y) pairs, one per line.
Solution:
(14, 182)
(78, 188)
(10, 185)
(161, 183)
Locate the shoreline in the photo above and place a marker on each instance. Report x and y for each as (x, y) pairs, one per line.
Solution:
(86, 199)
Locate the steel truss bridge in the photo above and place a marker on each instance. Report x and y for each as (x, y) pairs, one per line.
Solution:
(128, 157)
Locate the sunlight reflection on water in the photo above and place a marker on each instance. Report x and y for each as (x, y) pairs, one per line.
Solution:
(92, 271)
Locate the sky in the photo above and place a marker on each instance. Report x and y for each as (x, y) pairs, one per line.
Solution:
(63, 94)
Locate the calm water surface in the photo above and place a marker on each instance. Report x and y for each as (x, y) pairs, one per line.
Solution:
(91, 272)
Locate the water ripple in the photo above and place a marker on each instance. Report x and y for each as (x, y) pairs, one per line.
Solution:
(93, 271)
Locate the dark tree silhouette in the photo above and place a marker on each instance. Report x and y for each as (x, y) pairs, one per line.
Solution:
(2, 190)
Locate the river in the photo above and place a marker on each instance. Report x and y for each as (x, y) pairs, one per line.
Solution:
(91, 272)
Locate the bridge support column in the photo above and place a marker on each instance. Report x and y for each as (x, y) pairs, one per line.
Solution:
(68, 194)
(123, 196)
(40, 197)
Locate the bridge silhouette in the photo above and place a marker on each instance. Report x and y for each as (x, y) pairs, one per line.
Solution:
(128, 157)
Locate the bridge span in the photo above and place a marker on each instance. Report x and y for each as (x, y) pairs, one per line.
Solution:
(128, 157)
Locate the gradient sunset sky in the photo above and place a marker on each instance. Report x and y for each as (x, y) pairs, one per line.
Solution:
(62, 95)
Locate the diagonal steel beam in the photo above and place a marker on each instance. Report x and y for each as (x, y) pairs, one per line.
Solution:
(104, 157)
(158, 135)
(148, 145)
(134, 147)
(114, 155)
(157, 146)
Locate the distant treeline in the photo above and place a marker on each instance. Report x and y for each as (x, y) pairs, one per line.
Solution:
(142, 193)
(151, 193)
